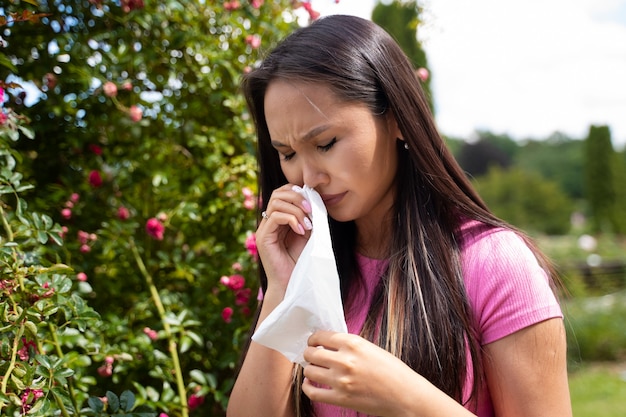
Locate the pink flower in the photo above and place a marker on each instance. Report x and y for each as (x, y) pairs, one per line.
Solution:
(135, 113)
(24, 352)
(75, 197)
(163, 415)
(110, 89)
(83, 237)
(128, 5)
(85, 248)
(64, 231)
(152, 334)
(3, 118)
(254, 41)
(227, 314)
(95, 179)
(251, 245)
(105, 370)
(256, 3)
(66, 213)
(242, 296)
(313, 15)
(237, 266)
(123, 213)
(232, 5)
(97, 150)
(236, 282)
(81, 276)
(155, 228)
(28, 398)
(422, 74)
(194, 401)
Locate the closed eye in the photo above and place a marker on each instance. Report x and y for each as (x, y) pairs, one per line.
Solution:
(326, 148)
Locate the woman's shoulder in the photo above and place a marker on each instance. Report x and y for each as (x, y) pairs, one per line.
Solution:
(506, 286)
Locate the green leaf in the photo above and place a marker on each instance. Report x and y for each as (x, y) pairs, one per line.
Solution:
(96, 404)
(44, 361)
(113, 401)
(127, 400)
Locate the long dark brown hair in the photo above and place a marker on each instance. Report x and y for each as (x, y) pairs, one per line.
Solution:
(420, 312)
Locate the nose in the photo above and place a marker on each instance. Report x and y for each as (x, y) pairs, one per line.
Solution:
(313, 174)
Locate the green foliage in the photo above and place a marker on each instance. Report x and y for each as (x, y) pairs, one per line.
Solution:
(143, 156)
(557, 158)
(595, 332)
(602, 185)
(526, 200)
(401, 20)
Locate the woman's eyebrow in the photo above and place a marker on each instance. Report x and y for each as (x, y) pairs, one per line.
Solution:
(316, 131)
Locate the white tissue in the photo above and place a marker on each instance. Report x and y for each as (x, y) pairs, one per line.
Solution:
(313, 298)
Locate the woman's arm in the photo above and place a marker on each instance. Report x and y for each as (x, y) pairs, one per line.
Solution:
(263, 387)
(527, 372)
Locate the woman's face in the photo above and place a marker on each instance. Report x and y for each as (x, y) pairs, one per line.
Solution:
(341, 149)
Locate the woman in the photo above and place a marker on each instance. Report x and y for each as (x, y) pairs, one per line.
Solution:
(450, 310)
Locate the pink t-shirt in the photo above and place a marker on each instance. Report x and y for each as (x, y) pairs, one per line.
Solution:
(506, 287)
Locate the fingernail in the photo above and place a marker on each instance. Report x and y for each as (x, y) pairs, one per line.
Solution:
(300, 229)
(296, 188)
(306, 206)
(307, 224)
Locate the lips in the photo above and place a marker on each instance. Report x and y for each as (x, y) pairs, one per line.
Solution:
(332, 199)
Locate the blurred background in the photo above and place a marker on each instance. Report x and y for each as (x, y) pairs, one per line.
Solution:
(128, 187)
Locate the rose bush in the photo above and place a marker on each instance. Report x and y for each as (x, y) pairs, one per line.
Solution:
(143, 157)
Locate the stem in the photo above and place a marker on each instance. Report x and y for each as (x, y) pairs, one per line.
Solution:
(172, 345)
(7, 227)
(16, 343)
(70, 386)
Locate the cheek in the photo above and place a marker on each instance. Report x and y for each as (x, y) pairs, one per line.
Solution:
(292, 172)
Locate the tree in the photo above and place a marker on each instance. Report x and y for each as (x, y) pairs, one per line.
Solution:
(526, 200)
(476, 158)
(558, 158)
(601, 179)
(401, 19)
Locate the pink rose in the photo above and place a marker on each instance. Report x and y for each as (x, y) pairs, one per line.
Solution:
(194, 401)
(110, 89)
(251, 245)
(256, 3)
(422, 74)
(227, 314)
(155, 228)
(123, 213)
(152, 334)
(95, 179)
(135, 113)
(66, 213)
(254, 41)
(81, 276)
(233, 282)
(242, 296)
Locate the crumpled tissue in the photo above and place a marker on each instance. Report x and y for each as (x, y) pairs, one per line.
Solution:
(313, 297)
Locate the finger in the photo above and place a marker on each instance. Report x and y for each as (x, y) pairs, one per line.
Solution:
(327, 339)
(318, 392)
(291, 194)
(282, 212)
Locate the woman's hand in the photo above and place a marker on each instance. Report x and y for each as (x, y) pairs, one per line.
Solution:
(283, 233)
(348, 371)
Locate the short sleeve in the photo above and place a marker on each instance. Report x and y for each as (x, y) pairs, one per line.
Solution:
(507, 288)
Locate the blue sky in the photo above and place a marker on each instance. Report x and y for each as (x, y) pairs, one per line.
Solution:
(525, 68)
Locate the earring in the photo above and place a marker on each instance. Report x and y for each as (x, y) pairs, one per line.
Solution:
(406, 145)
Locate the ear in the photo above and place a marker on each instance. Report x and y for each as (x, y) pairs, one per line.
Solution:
(392, 126)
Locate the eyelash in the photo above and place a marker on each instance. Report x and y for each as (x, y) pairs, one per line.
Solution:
(324, 148)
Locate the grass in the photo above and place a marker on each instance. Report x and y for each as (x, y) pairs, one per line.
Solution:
(599, 390)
